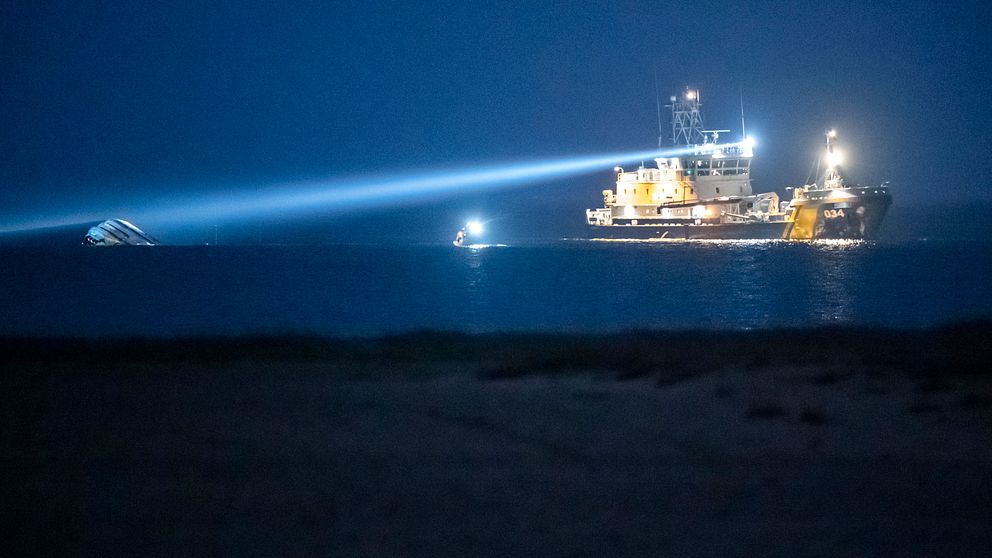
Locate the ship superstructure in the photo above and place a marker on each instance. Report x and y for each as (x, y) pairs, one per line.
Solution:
(706, 193)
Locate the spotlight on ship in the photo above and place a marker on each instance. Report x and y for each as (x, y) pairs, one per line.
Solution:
(749, 142)
(834, 158)
(474, 228)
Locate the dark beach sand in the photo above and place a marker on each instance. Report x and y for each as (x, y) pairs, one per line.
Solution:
(832, 442)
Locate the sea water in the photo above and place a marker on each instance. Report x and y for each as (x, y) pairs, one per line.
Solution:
(575, 286)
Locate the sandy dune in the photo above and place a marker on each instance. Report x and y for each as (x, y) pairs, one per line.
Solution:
(283, 452)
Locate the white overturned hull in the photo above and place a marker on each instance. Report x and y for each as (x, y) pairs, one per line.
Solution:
(117, 232)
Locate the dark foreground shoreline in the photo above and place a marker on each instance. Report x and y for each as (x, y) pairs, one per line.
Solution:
(824, 442)
(955, 349)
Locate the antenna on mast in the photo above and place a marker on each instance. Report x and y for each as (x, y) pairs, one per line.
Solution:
(743, 129)
(657, 102)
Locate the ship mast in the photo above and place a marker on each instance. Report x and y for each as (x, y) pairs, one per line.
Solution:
(687, 120)
(743, 129)
(657, 102)
(832, 179)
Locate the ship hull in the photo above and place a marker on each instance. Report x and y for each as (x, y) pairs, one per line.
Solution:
(857, 215)
(724, 231)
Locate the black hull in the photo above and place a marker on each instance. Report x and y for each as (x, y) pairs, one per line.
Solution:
(858, 214)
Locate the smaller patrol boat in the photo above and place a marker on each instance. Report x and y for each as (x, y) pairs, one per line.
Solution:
(832, 209)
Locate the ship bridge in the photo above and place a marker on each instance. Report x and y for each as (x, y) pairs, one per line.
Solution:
(719, 174)
(713, 173)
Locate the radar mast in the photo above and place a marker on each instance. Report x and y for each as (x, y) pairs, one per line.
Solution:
(832, 178)
(687, 120)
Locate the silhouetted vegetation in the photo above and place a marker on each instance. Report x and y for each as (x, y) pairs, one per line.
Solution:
(666, 356)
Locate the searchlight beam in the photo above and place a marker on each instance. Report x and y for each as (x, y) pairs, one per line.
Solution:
(344, 195)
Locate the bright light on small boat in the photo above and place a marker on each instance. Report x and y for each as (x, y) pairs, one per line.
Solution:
(749, 143)
(834, 158)
(474, 227)
(832, 133)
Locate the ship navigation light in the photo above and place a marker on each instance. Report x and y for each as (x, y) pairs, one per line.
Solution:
(474, 228)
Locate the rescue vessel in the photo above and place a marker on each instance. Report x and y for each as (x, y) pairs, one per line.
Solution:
(705, 193)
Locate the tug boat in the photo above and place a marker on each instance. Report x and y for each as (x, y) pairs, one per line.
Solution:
(705, 193)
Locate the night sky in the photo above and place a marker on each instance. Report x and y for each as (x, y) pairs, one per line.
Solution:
(119, 107)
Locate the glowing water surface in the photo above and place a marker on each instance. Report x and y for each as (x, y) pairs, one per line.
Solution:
(567, 286)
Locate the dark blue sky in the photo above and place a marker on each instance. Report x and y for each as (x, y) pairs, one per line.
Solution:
(125, 104)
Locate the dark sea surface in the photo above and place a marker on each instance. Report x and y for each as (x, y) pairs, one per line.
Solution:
(556, 287)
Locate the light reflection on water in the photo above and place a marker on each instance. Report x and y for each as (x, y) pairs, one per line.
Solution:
(833, 271)
(476, 291)
(592, 287)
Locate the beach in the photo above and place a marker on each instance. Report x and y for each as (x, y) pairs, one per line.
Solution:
(824, 442)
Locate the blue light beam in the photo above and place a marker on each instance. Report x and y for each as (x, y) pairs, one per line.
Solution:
(343, 195)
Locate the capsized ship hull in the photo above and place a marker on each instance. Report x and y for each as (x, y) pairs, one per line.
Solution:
(117, 232)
